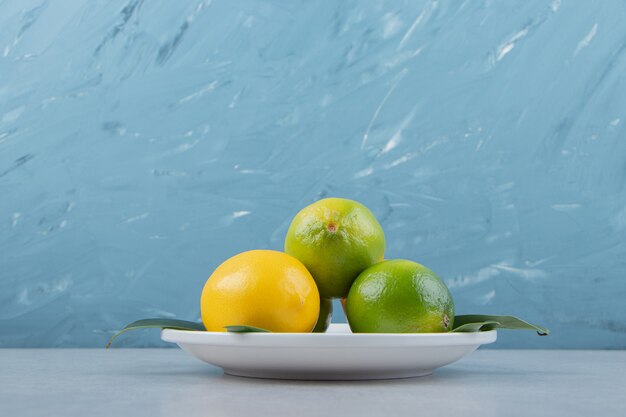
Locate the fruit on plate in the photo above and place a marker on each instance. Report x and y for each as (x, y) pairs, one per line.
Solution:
(336, 239)
(399, 296)
(334, 249)
(326, 313)
(261, 288)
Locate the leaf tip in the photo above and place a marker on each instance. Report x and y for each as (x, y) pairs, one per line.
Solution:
(110, 343)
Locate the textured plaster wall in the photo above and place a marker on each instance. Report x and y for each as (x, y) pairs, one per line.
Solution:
(143, 142)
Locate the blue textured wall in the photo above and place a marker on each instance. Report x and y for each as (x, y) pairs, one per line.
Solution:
(142, 143)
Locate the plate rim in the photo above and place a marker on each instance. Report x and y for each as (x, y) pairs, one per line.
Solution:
(317, 340)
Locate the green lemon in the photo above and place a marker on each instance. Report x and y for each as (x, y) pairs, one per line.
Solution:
(326, 314)
(399, 296)
(335, 239)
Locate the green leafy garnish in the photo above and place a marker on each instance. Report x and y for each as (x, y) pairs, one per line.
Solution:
(481, 322)
(181, 325)
(158, 323)
(463, 323)
(245, 329)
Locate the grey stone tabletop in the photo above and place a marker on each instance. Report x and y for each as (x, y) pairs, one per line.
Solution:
(168, 382)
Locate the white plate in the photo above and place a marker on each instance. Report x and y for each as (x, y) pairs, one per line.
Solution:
(337, 354)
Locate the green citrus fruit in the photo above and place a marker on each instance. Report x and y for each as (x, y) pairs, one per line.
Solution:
(326, 313)
(399, 296)
(335, 239)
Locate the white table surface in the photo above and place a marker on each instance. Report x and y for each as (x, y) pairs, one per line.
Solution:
(168, 382)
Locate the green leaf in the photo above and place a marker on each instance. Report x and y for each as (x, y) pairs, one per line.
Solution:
(158, 323)
(476, 327)
(481, 322)
(245, 329)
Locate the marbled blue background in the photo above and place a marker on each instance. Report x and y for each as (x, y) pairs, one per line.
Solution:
(143, 142)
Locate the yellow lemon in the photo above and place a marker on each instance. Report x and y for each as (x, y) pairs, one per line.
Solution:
(261, 288)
